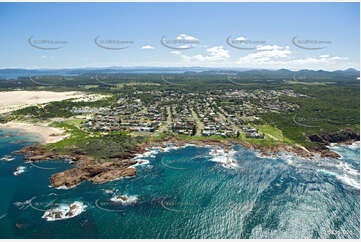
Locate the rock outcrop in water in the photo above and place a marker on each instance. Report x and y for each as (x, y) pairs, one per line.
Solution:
(64, 211)
(105, 172)
(38, 153)
(323, 140)
(87, 167)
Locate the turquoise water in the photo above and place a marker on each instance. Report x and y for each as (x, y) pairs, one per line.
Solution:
(185, 193)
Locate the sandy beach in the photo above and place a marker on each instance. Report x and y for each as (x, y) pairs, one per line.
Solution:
(48, 134)
(13, 100)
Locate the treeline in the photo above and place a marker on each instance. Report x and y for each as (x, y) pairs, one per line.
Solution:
(61, 108)
(326, 109)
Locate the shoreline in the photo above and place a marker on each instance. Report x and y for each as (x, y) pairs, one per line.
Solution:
(88, 169)
(46, 133)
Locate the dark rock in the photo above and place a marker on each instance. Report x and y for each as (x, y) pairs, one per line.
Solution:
(344, 136)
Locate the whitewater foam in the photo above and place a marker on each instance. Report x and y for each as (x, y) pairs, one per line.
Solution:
(140, 162)
(150, 153)
(344, 178)
(19, 170)
(63, 187)
(64, 211)
(225, 158)
(353, 146)
(341, 170)
(124, 199)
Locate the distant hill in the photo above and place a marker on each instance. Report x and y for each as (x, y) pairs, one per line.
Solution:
(251, 74)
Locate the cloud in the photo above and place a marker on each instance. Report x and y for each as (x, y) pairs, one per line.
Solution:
(147, 47)
(317, 60)
(271, 47)
(176, 52)
(275, 56)
(265, 54)
(216, 53)
(186, 37)
(240, 38)
(338, 58)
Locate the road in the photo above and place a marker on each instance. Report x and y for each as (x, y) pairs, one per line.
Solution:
(200, 125)
(164, 127)
(225, 119)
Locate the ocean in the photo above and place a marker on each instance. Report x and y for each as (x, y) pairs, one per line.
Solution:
(14, 74)
(187, 192)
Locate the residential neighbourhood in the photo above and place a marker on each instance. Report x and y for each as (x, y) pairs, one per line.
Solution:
(220, 113)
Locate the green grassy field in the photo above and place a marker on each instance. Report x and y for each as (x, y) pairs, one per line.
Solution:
(275, 133)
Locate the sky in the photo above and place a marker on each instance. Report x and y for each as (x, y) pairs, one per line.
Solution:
(260, 35)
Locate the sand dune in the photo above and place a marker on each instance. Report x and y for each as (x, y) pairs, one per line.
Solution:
(13, 100)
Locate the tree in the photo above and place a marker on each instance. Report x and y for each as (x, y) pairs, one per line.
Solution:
(194, 130)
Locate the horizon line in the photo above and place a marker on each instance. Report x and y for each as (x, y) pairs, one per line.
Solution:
(169, 67)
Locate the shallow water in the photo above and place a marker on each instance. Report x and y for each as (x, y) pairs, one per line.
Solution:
(188, 193)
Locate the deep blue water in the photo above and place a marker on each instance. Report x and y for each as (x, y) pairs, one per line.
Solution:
(286, 197)
(26, 73)
(15, 75)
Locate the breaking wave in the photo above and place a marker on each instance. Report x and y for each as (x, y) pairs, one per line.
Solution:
(64, 211)
(223, 157)
(124, 199)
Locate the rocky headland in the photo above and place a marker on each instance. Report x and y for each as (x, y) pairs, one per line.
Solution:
(89, 169)
(345, 136)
